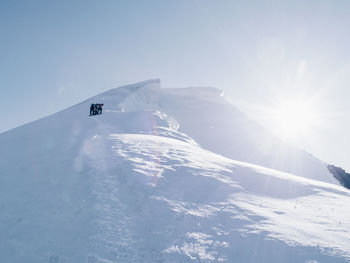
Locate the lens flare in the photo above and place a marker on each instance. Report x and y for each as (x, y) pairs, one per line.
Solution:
(294, 118)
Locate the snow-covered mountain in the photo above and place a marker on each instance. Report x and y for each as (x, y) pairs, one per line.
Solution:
(164, 175)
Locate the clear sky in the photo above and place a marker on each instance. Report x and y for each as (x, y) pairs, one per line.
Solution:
(262, 54)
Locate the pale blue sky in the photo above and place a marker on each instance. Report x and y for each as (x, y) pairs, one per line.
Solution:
(57, 53)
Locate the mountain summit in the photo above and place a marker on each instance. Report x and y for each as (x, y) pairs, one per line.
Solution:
(164, 175)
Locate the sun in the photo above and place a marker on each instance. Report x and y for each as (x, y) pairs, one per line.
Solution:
(294, 118)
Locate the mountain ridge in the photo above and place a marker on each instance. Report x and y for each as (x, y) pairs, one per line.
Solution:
(139, 183)
(261, 146)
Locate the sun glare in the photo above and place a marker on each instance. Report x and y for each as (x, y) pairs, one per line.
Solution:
(294, 118)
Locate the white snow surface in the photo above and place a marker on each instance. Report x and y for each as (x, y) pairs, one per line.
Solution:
(164, 175)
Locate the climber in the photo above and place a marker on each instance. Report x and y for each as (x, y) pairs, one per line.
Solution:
(96, 109)
(92, 109)
(99, 108)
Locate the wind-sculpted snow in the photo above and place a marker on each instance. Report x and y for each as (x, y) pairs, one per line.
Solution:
(186, 204)
(206, 115)
(136, 185)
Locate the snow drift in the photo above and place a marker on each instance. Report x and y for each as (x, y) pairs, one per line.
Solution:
(164, 175)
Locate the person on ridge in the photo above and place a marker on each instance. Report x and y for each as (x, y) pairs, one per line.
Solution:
(99, 108)
(92, 109)
(96, 109)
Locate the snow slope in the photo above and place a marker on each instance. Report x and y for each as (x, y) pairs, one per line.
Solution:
(207, 116)
(142, 183)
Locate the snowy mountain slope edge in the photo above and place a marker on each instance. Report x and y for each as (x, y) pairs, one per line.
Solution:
(205, 115)
(132, 185)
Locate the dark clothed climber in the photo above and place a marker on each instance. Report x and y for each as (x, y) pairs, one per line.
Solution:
(96, 109)
(92, 109)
